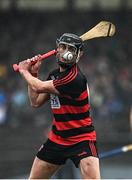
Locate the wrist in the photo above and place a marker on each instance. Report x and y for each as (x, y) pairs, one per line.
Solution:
(22, 71)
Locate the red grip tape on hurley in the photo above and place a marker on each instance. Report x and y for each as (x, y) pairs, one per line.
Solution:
(41, 57)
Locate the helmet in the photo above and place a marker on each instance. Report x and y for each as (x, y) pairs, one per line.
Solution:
(67, 59)
(71, 40)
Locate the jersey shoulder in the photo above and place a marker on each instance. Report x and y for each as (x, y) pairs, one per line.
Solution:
(73, 83)
(53, 74)
(80, 76)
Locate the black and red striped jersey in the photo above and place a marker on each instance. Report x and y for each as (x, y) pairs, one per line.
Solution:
(72, 122)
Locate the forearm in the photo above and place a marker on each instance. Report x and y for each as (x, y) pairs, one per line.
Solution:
(37, 92)
(33, 82)
(37, 99)
(33, 97)
(38, 86)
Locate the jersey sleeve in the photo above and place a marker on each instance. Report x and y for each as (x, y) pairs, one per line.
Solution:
(51, 74)
(72, 84)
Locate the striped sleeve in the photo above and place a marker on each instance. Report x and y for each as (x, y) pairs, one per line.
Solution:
(69, 84)
(67, 79)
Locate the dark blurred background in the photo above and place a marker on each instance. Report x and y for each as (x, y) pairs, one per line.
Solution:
(30, 27)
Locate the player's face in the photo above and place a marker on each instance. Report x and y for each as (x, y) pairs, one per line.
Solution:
(63, 48)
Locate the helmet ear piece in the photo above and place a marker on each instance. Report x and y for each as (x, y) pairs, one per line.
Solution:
(80, 53)
(78, 56)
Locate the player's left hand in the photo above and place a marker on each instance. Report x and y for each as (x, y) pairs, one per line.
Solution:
(25, 65)
(36, 65)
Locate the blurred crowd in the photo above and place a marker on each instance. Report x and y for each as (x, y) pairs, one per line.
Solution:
(106, 63)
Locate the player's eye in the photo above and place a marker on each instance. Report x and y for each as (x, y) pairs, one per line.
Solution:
(72, 49)
(62, 46)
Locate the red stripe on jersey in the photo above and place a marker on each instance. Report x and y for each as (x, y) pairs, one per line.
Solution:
(73, 139)
(66, 96)
(63, 79)
(83, 95)
(72, 124)
(71, 109)
(67, 76)
(60, 82)
(93, 149)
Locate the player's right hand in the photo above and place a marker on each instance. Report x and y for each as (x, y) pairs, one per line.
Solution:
(36, 63)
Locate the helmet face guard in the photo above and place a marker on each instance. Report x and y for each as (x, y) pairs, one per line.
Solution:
(70, 40)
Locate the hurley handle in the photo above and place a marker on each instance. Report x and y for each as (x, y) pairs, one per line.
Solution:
(40, 57)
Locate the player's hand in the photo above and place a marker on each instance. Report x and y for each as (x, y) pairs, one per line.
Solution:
(32, 65)
(36, 65)
(25, 65)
